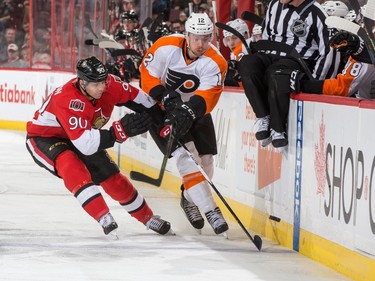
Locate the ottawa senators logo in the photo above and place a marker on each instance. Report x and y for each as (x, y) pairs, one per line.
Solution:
(77, 105)
(99, 120)
(299, 28)
(185, 83)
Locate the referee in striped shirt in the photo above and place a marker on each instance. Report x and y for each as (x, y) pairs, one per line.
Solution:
(265, 76)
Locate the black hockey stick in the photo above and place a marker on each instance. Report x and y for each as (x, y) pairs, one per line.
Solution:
(254, 18)
(235, 33)
(268, 45)
(152, 36)
(125, 52)
(257, 241)
(138, 176)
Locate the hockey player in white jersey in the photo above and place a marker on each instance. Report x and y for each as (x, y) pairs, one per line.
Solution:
(185, 74)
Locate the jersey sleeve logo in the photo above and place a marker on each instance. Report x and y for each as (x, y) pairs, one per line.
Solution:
(77, 105)
(185, 83)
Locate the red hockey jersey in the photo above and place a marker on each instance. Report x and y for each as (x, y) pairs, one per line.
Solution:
(67, 113)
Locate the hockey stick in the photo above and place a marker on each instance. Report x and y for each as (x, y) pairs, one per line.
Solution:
(254, 18)
(138, 176)
(257, 241)
(152, 36)
(126, 52)
(368, 20)
(354, 28)
(235, 33)
(268, 45)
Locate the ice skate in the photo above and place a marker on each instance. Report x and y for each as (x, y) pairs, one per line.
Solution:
(279, 140)
(263, 131)
(192, 213)
(159, 226)
(217, 221)
(109, 225)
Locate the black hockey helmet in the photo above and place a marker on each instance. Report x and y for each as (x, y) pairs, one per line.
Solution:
(131, 15)
(91, 70)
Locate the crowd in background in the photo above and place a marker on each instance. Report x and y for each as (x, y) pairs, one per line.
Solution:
(18, 49)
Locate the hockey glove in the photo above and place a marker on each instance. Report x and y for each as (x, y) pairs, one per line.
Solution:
(347, 43)
(130, 125)
(171, 100)
(181, 118)
(295, 80)
(233, 70)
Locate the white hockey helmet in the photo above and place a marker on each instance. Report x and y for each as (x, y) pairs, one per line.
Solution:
(335, 8)
(257, 29)
(199, 24)
(351, 16)
(237, 24)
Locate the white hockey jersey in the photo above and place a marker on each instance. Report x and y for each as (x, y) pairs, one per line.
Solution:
(165, 63)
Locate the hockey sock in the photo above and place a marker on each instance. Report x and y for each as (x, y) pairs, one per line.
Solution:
(78, 181)
(198, 191)
(122, 190)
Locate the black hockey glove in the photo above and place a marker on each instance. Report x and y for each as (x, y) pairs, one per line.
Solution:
(295, 80)
(130, 125)
(233, 76)
(171, 100)
(181, 118)
(347, 43)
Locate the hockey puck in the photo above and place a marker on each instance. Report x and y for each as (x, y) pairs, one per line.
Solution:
(276, 219)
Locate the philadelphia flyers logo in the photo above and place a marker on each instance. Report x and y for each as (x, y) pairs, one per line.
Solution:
(185, 83)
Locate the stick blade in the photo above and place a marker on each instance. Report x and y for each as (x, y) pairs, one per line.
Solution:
(137, 176)
(258, 242)
(254, 18)
(342, 24)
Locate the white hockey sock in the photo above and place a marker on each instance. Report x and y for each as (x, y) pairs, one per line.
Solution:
(201, 196)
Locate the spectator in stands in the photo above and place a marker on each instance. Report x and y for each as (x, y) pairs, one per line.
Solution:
(177, 27)
(41, 41)
(234, 9)
(128, 5)
(197, 4)
(183, 17)
(13, 58)
(42, 60)
(204, 8)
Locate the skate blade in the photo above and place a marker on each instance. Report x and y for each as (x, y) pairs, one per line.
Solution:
(265, 142)
(170, 232)
(199, 231)
(113, 235)
(225, 234)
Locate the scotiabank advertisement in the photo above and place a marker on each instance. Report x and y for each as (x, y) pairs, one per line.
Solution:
(21, 95)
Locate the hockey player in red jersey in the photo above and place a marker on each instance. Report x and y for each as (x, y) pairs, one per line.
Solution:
(66, 138)
(186, 74)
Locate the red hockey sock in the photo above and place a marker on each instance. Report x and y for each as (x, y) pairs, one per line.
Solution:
(122, 190)
(77, 180)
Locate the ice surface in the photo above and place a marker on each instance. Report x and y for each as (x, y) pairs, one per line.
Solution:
(46, 236)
